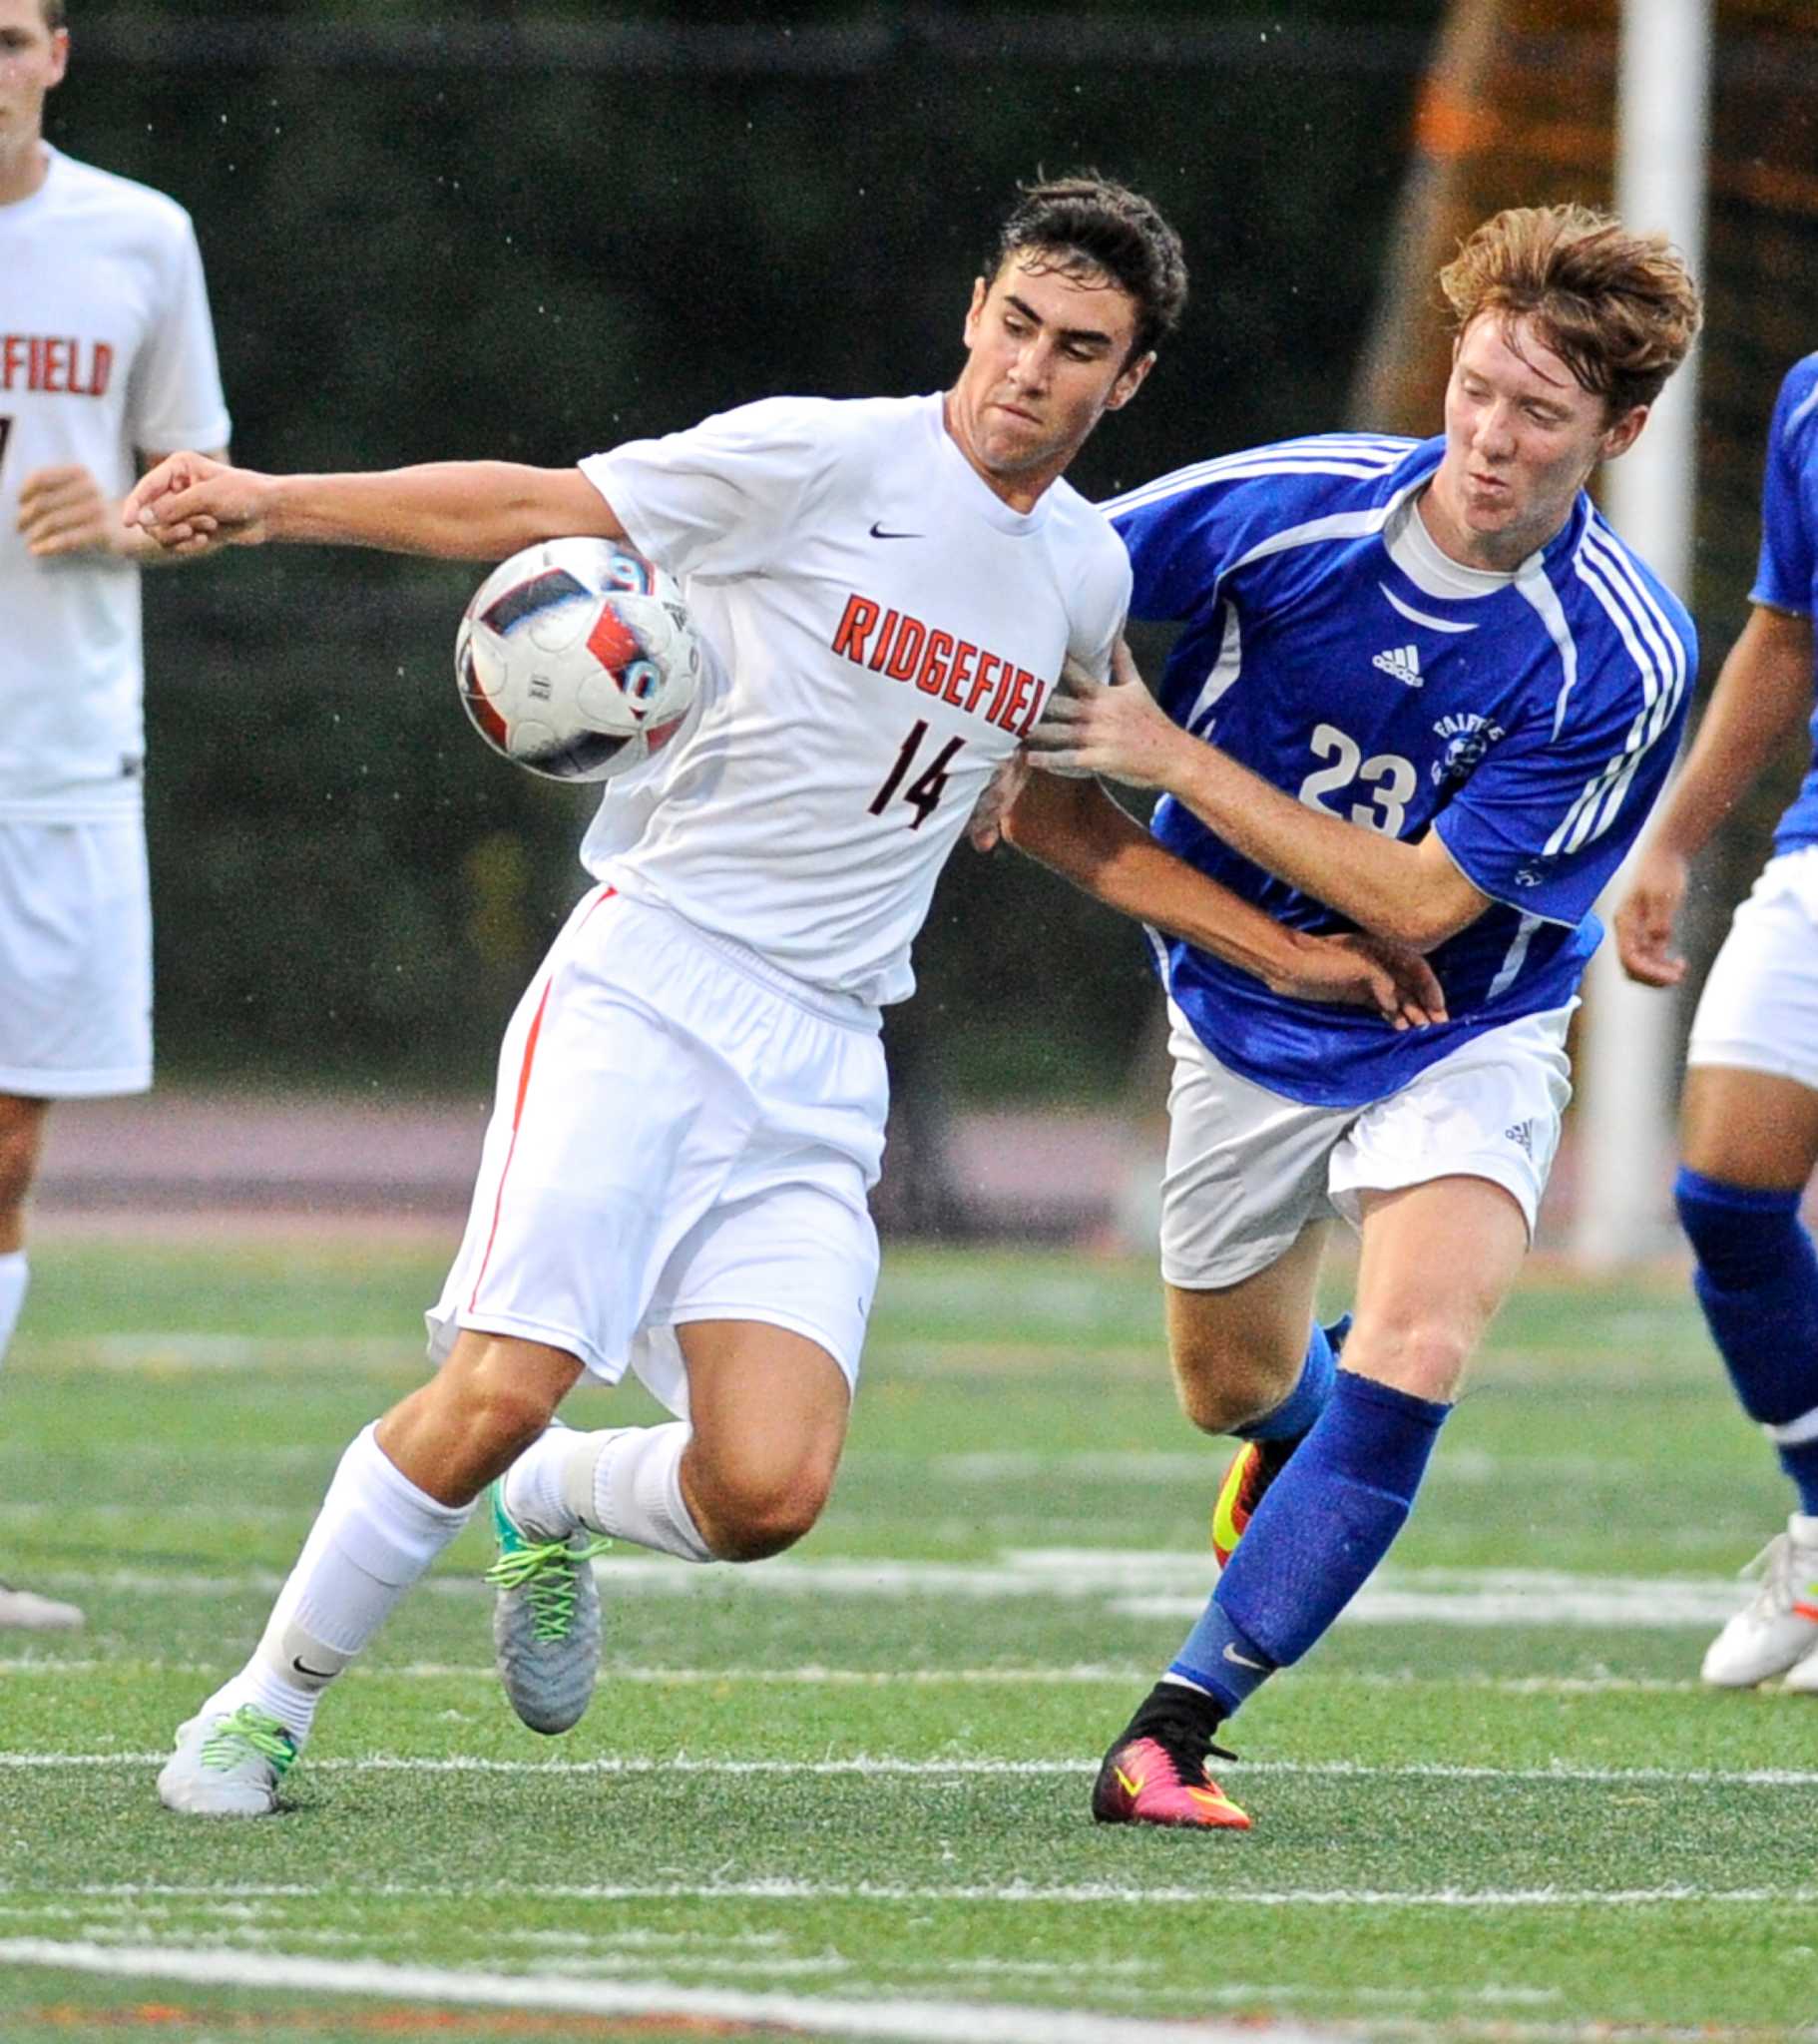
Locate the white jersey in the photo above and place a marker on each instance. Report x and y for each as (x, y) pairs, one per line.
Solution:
(886, 629)
(105, 352)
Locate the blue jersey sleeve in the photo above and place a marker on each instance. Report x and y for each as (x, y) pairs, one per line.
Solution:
(1546, 818)
(1790, 494)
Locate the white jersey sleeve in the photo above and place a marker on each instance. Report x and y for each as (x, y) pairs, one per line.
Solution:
(884, 630)
(721, 498)
(176, 396)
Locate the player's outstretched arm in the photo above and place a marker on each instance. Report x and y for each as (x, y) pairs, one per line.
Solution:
(1075, 827)
(1410, 894)
(1762, 693)
(451, 510)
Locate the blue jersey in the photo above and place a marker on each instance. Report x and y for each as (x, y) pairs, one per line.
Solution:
(1331, 649)
(1787, 578)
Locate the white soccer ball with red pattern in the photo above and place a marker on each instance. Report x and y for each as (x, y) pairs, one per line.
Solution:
(576, 659)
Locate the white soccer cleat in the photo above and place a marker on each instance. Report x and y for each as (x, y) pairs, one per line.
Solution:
(227, 1763)
(1779, 1628)
(1802, 1677)
(26, 1611)
(545, 1621)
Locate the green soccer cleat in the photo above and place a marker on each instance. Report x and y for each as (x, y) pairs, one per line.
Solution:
(545, 1621)
(228, 1764)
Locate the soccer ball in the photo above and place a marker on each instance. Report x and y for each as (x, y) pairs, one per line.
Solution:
(576, 659)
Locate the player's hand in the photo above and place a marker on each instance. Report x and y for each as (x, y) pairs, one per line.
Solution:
(1357, 971)
(985, 831)
(64, 510)
(194, 504)
(1644, 921)
(1117, 729)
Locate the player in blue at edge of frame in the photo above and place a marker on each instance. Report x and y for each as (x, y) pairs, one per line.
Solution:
(692, 1094)
(1749, 1133)
(1441, 641)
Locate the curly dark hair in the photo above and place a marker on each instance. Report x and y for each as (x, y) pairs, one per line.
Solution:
(1089, 223)
(1619, 309)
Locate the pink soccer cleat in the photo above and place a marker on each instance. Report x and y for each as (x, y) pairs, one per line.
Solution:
(1160, 1776)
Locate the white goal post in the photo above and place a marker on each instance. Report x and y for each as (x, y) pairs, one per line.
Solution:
(1625, 1071)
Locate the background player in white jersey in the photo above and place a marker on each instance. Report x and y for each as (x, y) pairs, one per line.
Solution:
(1444, 644)
(692, 1094)
(1749, 1120)
(106, 357)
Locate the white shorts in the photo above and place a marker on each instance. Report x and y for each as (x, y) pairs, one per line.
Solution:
(680, 1133)
(1759, 1007)
(75, 959)
(1249, 1170)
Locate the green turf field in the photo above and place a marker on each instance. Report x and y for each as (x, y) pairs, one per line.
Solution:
(1495, 1802)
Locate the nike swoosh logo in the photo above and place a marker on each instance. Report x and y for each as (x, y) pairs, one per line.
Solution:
(878, 532)
(1131, 1788)
(317, 1674)
(1239, 1660)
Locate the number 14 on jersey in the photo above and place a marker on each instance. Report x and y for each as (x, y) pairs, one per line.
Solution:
(924, 792)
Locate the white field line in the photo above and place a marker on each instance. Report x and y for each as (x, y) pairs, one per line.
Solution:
(615, 1765)
(1464, 1465)
(1016, 1895)
(1129, 1583)
(909, 2022)
(986, 1466)
(162, 1351)
(812, 1676)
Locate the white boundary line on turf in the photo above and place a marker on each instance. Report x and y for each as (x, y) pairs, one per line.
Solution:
(613, 1765)
(814, 1676)
(1129, 1583)
(907, 2022)
(1015, 1893)
(811, 1676)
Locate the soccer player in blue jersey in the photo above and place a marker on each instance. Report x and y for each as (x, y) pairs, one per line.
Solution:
(1749, 1120)
(1421, 689)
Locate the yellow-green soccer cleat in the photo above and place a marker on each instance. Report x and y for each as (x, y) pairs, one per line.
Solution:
(1252, 1469)
(545, 1621)
(227, 1763)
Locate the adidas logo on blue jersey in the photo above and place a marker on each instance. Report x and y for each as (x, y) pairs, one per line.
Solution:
(1403, 662)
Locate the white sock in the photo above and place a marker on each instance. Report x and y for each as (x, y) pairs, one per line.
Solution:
(375, 1534)
(14, 1276)
(535, 1497)
(626, 1483)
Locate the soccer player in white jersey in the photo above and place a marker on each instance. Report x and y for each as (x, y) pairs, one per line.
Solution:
(691, 1099)
(107, 357)
(1443, 643)
(1749, 1119)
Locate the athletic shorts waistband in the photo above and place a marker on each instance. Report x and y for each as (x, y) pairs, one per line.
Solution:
(847, 1010)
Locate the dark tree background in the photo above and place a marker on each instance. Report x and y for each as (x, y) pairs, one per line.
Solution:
(470, 231)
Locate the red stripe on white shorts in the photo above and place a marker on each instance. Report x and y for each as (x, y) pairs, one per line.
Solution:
(517, 1113)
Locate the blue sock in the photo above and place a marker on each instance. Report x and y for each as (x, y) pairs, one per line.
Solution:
(1758, 1281)
(1321, 1528)
(1307, 1400)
